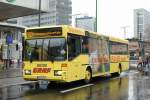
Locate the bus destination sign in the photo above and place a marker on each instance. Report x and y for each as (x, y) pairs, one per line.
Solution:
(44, 32)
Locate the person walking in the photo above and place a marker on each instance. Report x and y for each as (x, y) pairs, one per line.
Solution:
(146, 63)
(140, 64)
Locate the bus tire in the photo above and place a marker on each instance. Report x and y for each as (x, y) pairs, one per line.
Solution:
(116, 74)
(51, 84)
(88, 75)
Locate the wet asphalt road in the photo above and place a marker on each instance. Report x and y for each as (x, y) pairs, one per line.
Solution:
(130, 86)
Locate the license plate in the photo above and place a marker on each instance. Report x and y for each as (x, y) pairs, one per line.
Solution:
(41, 77)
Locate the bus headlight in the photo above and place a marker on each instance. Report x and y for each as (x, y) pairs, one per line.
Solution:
(27, 72)
(57, 73)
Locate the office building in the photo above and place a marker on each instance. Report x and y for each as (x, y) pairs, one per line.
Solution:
(142, 24)
(59, 13)
(86, 22)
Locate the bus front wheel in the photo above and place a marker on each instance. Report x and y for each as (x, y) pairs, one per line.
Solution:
(88, 76)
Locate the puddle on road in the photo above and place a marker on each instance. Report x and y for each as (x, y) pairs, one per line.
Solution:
(116, 89)
(13, 92)
(124, 88)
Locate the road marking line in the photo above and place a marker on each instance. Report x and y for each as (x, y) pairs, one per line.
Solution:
(64, 91)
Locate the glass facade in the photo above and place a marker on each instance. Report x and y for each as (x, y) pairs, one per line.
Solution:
(60, 13)
(141, 24)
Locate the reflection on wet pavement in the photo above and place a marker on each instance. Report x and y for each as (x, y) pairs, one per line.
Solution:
(109, 90)
(124, 88)
(13, 92)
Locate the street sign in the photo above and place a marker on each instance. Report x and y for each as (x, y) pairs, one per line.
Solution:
(9, 39)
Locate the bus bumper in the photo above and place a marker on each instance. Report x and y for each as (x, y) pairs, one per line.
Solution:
(47, 78)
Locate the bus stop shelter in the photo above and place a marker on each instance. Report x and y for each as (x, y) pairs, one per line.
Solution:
(13, 9)
(17, 8)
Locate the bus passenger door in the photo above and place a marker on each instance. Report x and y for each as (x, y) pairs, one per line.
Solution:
(74, 50)
(105, 55)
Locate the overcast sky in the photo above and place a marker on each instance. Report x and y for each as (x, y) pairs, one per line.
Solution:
(112, 14)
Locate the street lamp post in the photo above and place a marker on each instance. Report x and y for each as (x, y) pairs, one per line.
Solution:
(125, 30)
(142, 45)
(96, 16)
(39, 23)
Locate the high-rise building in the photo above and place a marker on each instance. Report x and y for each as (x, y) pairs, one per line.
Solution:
(142, 24)
(86, 22)
(60, 13)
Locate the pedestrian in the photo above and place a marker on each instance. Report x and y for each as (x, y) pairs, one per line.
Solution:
(146, 62)
(140, 64)
(146, 58)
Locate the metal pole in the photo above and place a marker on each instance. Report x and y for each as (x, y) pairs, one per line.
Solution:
(138, 32)
(39, 24)
(140, 36)
(142, 45)
(124, 30)
(96, 16)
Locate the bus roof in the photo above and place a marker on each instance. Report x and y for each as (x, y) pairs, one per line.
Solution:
(81, 32)
(117, 39)
(69, 29)
(29, 28)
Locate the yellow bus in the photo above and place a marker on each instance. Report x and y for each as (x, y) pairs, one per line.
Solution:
(67, 54)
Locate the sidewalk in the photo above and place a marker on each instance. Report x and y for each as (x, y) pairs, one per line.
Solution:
(13, 71)
(12, 76)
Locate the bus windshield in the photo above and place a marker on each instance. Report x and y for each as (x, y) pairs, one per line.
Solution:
(50, 49)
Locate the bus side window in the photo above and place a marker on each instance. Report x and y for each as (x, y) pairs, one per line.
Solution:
(85, 45)
(74, 46)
